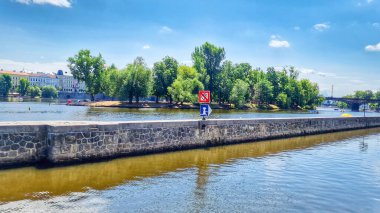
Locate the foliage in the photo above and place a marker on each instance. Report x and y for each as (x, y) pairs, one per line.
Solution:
(23, 87)
(282, 101)
(49, 92)
(342, 105)
(364, 94)
(110, 81)
(263, 93)
(164, 74)
(186, 86)
(34, 91)
(239, 93)
(376, 95)
(5, 84)
(229, 83)
(208, 58)
(135, 80)
(88, 68)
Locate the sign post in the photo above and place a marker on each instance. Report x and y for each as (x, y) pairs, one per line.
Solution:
(204, 97)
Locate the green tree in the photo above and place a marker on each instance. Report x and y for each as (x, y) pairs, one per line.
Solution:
(263, 93)
(88, 68)
(5, 84)
(239, 93)
(293, 73)
(294, 92)
(376, 95)
(364, 94)
(226, 81)
(274, 78)
(241, 71)
(282, 100)
(208, 58)
(34, 91)
(49, 92)
(186, 86)
(164, 74)
(23, 87)
(136, 81)
(111, 81)
(254, 77)
(342, 105)
(310, 91)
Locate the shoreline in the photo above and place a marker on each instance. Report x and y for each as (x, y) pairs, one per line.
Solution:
(154, 105)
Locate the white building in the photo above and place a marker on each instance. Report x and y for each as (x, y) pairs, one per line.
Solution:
(43, 79)
(67, 83)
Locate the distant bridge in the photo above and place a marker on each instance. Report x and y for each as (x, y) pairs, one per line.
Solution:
(354, 102)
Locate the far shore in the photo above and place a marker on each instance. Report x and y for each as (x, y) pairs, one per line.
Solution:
(165, 105)
(126, 104)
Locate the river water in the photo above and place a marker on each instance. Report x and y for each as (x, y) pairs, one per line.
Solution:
(337, 172)
(38, 111)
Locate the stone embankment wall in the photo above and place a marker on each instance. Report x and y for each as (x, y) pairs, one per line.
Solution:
(68, 142)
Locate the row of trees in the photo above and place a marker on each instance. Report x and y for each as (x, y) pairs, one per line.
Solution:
(238, 84)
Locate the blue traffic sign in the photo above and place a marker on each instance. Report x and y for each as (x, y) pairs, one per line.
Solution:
(205, 110)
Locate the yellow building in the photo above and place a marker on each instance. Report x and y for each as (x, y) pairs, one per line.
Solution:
(16, 77)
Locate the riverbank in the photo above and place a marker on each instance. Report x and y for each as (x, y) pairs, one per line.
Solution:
(24, 143)
(125, 104)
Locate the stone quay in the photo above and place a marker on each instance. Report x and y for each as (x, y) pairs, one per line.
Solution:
(26, 143)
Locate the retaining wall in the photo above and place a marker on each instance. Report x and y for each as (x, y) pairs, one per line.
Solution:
(68, 142)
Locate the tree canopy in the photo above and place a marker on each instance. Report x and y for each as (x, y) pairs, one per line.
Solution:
(5, 84)
(89, 69)
(164, 74)
(237, 83)
(23, 87)
(207, 59)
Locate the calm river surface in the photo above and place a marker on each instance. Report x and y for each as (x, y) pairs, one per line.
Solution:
(37, 111)
(338, 172)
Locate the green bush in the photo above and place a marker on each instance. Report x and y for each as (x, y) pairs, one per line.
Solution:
(49, 92)
(34, 91)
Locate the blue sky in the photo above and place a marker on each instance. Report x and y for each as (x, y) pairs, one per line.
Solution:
(330, 42)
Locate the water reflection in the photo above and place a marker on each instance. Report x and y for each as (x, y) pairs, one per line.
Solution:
(36, 184)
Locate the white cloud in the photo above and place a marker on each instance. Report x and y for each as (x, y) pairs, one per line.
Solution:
(296, 28)
(364, 2)
(166, 29)
(326, 74)
(146, 46)
(308, 71)
(275, 42)
(58, 3)
(51, 67)
(376, 25)
(321, 27)
(373, 48)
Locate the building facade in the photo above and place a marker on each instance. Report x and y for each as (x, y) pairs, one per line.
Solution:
(68, 83)
(63, 83)
(16, 77)
(43, 79)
